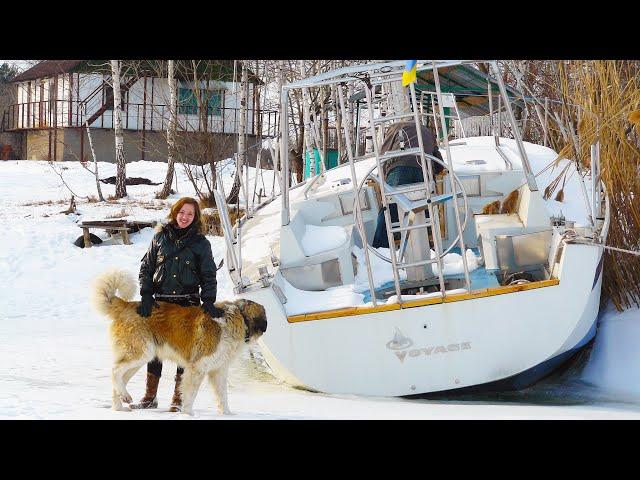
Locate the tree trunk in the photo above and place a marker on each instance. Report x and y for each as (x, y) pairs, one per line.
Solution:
(257, 119)
(399, 100)
(234, 194)
(324, 116)
(121, 172)
(95, 161)
(242, 147)
(308, 141)
(338, 114)
(276, 151)
(171, 133)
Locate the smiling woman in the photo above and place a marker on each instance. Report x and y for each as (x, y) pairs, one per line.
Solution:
(185, 212)
(185, 216)
(178, 268)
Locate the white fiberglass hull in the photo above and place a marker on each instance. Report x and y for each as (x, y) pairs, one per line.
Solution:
(442, 346)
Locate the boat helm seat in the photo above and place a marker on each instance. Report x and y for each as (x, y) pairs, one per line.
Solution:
(532, 218)
(309, 266)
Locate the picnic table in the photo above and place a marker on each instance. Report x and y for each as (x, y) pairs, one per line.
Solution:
(120, 227)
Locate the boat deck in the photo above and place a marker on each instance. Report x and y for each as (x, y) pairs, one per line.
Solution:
(421, 302)
(480, 279)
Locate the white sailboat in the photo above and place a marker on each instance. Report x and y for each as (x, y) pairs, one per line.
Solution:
(459, 300)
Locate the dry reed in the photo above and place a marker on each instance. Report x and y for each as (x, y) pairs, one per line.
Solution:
(211, 221)
(608, 96)
(118, 214)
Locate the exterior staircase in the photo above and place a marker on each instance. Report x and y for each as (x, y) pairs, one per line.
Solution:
(108, 101)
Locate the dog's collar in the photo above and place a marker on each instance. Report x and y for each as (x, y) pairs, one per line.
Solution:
(247, 330)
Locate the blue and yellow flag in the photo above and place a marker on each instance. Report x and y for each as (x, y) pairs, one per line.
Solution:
(409, 74)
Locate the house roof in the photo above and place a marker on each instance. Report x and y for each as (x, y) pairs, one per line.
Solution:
(469, 85)
(219, 69)
(47, 68)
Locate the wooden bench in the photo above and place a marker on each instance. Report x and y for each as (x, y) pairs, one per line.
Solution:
(122, 227)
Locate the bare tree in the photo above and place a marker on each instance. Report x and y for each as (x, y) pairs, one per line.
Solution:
(338, 116)
(308, 140)
(121, 172)
(171, 131)
(205, 123)
(233, 196)
(276, 150)
(319, 104)
(95, 162)
(7, 90)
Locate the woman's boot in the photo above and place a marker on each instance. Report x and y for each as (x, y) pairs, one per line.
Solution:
(176, 401)
(149, 400)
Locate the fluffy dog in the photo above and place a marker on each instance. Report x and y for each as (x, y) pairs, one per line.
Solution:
(186, 335)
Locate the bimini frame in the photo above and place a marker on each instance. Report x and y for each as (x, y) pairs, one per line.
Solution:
(378, 73)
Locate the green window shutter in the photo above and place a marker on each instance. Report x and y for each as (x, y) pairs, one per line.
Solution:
(213, 99)
(187, 103)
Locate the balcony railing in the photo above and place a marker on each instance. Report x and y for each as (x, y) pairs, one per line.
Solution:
(136, 116)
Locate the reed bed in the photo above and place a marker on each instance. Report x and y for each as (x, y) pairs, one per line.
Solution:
(601, 102)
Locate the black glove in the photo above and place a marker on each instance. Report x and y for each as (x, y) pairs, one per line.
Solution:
(212, 310)
(146, 304)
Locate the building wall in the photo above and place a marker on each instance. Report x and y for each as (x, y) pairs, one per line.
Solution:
(45, 145)
(77, 146)
(142, 111)
(72, 144)
(17, 143)
(45, 102)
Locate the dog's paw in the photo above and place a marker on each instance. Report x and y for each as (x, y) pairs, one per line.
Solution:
(120, 408)
(188, 411)
(126, 398)
(224, 411)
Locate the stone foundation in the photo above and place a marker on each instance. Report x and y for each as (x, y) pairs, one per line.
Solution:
(72, 144)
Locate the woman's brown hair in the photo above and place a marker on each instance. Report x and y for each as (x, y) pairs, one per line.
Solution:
(175, 209)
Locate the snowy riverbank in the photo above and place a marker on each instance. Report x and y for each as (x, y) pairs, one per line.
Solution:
(55, 351)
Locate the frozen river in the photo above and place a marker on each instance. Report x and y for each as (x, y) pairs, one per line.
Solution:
(55, 352)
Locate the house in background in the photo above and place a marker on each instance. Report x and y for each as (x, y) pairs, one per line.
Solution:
(57, 98)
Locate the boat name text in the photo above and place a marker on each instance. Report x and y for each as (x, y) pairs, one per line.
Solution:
(453, 347)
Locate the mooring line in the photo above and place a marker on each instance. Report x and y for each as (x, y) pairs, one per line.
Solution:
(583, 241)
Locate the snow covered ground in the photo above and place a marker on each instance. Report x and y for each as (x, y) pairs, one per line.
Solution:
(54, 347)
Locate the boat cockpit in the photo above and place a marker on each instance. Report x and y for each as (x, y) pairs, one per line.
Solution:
(473, 223)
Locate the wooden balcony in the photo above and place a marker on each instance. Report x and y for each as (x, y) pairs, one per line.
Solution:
(135, 116)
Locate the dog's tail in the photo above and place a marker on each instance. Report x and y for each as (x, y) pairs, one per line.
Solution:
(105, 288)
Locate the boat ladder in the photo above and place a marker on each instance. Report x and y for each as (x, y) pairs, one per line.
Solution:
(413, 214)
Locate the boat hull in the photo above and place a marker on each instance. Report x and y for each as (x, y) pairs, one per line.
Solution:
(520, 336)
(521, 380)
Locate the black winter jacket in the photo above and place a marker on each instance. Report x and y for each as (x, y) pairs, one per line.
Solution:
(177, 263)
